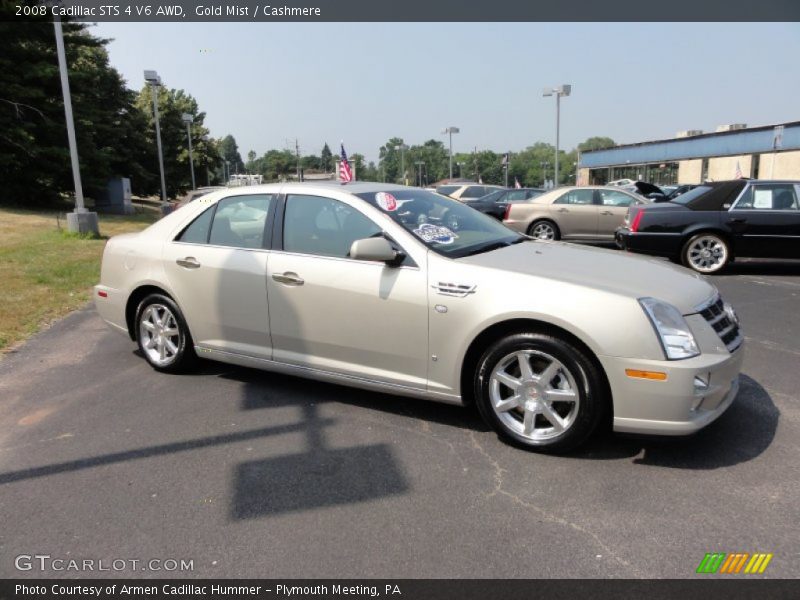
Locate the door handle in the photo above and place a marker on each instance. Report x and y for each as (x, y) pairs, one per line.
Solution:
(190, 262)
(563, 210)
(606, 212)
(288, 278)
(736, 221)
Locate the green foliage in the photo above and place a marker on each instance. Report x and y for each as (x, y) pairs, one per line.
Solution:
(596, 143)
(172, 104)
(326, 158)
(34, 156)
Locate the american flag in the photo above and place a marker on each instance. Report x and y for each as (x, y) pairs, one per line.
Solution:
(738, 174)
(516, 184)
(345, 174)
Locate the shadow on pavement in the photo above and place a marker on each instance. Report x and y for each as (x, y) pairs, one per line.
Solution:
(762, 267)
(267, 390)
(320, 476)
(744, 432)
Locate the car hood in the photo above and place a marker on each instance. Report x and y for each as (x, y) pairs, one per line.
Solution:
(609, 270)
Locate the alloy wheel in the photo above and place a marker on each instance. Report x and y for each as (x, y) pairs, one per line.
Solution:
(707, 254)
(160, 334)
(534, 395)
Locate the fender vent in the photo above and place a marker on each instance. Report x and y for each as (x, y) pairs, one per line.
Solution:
(454, 289)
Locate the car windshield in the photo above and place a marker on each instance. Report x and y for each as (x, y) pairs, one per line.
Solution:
(691, 195)
(447, 226)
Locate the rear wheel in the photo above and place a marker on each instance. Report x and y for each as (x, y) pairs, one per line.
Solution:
(162, 334)
(544, 230)
(706, 253)
(539, 392)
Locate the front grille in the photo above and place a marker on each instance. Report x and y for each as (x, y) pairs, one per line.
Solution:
(727, 329)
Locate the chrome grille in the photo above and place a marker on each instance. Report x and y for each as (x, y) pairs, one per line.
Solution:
(727, 329)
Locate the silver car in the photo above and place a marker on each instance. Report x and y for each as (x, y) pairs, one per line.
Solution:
(405, 291)
(587, 213)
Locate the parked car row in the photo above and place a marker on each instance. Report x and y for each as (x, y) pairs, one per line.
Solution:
(495, 204)
(409, 292)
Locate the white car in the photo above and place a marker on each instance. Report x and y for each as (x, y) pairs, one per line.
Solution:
(408, 292)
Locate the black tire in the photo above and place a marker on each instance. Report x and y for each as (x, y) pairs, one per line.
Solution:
(720, 254)
(589, 385)
(184, 358)
(544, 222)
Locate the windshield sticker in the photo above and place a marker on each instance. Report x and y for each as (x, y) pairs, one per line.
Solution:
(435, 234)
(386, 201)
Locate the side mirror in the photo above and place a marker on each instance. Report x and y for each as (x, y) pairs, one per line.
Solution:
(375, 248)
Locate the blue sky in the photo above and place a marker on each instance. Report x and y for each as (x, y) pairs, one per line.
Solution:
(268, 84)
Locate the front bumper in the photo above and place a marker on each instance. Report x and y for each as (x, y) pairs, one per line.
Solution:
(679, 405)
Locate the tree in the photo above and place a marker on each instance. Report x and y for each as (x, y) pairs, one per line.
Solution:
(596, 143)
(389, 160)
(434, 155)
(326, 158)
(34, 156)
(229, 151)
(172, 104)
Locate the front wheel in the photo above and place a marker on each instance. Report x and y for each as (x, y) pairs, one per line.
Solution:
(162, 334)
(706, 253)
(540, 392)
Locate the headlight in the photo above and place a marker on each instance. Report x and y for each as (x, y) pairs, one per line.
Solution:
(672, 329)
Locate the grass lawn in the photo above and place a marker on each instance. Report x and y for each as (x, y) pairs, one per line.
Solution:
(46, 272)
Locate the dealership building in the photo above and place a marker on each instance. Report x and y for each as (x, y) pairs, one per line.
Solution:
(769, 152)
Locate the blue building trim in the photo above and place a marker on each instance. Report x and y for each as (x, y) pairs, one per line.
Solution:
(729, 143)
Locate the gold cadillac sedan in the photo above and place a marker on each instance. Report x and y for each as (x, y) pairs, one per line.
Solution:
(586, 213)
(404, 291)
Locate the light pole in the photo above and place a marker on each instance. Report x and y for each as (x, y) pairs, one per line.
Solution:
(451, 130)
(205, 159)
(154, 81)
(420, 164)
(188, 119)
(402, 147)
(562, 90)
(81, 220)
(227, 172)
(460, 169)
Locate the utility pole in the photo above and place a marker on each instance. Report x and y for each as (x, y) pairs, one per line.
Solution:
(297, 152)
(419, 164)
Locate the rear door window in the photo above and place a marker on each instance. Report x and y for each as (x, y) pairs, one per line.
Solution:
(769, 197)
(239, 221)
(576, 197)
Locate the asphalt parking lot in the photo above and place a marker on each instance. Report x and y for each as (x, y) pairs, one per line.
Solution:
(253, 474)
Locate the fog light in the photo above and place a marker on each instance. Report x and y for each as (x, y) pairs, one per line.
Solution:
(701, 385)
